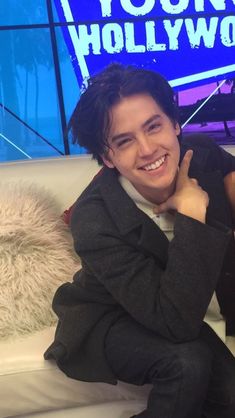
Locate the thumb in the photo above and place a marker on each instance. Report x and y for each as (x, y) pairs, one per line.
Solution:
(185, 164)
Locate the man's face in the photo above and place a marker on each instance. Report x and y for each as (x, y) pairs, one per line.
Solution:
(143, 146)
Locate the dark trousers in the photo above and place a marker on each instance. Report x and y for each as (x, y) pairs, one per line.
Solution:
(194, 379)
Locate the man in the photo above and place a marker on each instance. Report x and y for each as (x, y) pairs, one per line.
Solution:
(153, 231)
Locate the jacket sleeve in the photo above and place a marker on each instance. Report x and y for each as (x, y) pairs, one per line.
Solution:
(171, 300)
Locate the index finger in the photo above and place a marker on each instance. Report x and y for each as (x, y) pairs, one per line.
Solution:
(185, 164)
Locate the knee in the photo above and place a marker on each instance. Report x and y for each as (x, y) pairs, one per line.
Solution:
(221, 403)
(226, 395)
(190, 362)
(195, 361)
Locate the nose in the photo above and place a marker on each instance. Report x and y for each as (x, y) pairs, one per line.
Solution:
(144, 146)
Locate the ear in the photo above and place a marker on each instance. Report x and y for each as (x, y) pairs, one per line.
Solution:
(177, 129)
(107, 161)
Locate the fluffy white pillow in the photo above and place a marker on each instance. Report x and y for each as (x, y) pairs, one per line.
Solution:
(36, 257)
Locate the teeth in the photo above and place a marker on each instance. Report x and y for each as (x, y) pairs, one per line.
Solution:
(155, 165)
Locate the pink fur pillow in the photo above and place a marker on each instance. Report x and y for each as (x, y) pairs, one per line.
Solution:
(36, 257)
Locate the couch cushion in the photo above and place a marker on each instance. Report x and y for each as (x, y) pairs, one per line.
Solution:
(28, 383)
(65, 177)
(116, 409)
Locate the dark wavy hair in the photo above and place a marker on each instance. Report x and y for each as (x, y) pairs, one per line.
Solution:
(91, 120)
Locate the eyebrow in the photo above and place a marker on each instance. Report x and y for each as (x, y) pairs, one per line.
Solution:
(119, 136)
(125, 134)
(151, 119)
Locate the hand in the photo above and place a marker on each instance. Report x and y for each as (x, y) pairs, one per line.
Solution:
(189, 198)
(229, 184)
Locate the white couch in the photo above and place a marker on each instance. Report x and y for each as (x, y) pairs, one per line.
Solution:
(31, 386)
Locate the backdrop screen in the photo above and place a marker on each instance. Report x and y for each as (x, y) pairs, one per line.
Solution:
(192, 43)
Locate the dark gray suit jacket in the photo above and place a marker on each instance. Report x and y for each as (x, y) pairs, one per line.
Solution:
(130, 268)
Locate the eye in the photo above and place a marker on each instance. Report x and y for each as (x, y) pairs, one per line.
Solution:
(153, 126)
(123, 141)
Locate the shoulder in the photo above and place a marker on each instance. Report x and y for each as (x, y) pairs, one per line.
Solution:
(90, 203)
(90, 218)
(200, 144)
(208, 155)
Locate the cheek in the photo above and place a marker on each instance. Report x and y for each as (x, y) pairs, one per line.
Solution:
(125, 158)
(117, 161)
(176, 147)
(122, 164)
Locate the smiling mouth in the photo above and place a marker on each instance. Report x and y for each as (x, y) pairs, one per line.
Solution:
(153, 166)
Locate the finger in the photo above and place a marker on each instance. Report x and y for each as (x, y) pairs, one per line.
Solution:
(185, 164)
(163, 207)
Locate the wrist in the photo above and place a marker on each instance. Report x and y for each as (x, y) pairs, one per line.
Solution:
(198, 213)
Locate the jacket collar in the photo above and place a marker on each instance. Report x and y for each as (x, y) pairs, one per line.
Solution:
(128, 217)
(126, 214)
(120, 206)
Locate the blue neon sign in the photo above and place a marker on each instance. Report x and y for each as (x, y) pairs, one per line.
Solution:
(189, 41)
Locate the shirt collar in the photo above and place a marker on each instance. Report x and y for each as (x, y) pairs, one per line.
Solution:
(164, 220)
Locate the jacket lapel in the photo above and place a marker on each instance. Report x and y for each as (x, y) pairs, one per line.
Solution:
(153, 240)
(133, 224)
